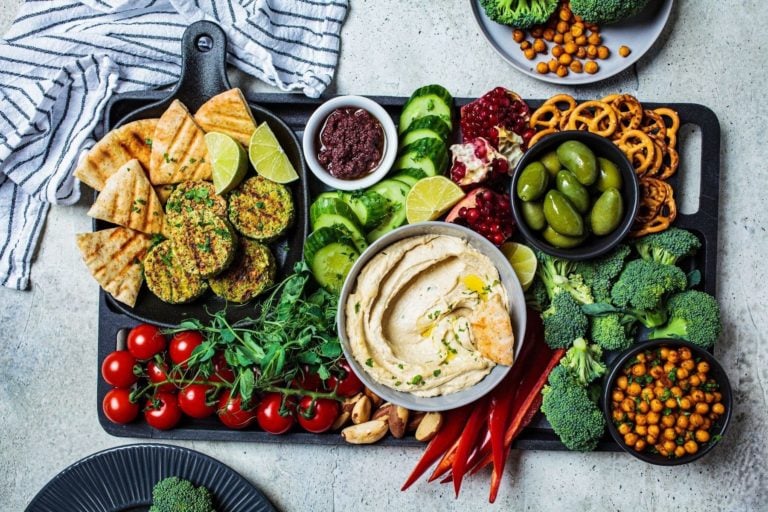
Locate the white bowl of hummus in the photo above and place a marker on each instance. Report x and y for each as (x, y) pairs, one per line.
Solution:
(431, 316)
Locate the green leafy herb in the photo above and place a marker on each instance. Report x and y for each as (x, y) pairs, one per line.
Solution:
(369, 362)
(417, 379)
(437, 373)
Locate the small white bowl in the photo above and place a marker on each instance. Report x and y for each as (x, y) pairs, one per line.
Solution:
(314, 125)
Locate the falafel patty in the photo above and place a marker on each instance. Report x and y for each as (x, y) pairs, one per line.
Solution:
(204, 243)
(194, 195)
(167, 279)
(261, 209)
(252, 272)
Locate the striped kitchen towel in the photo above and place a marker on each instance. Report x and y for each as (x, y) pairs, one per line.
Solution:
(61, 61)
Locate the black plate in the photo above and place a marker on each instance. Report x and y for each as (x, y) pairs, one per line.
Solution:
(203, 49)
(121, 480)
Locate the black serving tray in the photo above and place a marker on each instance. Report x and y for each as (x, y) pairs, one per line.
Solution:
(295, 110)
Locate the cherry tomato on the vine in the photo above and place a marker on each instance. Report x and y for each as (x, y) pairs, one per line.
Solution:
(222, 372)
(231, 412)
(162, 411)
(193, 400)
(307, 380)
(144, 341)
(117, 406)
(317, 417)
(181, 346)
(269, 417)
(346, 385)
(157, 373)
(117, 369)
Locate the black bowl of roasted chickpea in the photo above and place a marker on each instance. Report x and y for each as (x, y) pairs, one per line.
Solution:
(667, 402)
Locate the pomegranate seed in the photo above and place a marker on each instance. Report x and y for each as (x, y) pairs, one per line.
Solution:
(487, 196)
(463, 211)
(497, 238)
(495, 228)
(472, 215)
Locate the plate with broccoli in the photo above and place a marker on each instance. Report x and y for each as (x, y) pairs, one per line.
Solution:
(571, 42)
(149, 477)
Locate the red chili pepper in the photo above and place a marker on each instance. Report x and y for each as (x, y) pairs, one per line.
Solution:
(445, 438)
(467, 441)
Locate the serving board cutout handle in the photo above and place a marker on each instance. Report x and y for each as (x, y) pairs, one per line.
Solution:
(203, 64)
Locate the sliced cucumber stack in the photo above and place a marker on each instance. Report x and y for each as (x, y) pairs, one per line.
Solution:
(429, 127)
(429, 155)
(332, 212)
(430, 100)
(371, 208)
(330, 254)
(394, 192)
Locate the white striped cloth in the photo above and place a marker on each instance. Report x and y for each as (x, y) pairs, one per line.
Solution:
(61, 61)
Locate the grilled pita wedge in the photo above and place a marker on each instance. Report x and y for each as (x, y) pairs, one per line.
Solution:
(129, 200)
(179, 152)
(164, 192)
(131, 141)
(492, 329)
(228, 113)
(114, 258)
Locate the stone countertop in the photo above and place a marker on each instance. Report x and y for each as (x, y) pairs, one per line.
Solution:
(708, 54)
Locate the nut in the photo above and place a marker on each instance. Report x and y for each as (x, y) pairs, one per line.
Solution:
(341, 420)
(429, 426)
(365, 433)
(349, 403)
(362, 411)
(414, 420)
(398, 419)
(376, 400)
(382, 413)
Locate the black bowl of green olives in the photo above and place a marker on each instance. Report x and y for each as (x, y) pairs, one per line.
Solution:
(574, 195)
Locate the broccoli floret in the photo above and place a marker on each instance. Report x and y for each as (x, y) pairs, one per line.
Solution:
(563, 321)
(175, 494)
(669, 246)
(519, 13)
(536, 296)
(642, 286)
(603, 12)
(584, 361)
(693, 316)
(560, 275)
(612, 331)
(574, 416)
(599, 274)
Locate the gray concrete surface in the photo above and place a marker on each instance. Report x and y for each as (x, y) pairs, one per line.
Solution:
(709, 53)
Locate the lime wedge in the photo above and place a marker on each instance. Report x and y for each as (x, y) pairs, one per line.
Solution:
(431, 197)
(227, 160)
(523, 261)
(268, 157)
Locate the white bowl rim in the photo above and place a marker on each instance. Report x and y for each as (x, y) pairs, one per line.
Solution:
(517, 312)
(390, 142)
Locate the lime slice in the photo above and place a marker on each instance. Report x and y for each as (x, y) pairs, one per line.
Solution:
(523, 262)
(227, 160)
(268, 158)
(431, 197)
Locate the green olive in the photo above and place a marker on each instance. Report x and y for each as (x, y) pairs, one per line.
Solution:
(576, 193)
(533, 182)
(551, 163)
(561, 215)
(533, 215)
(607, 212)
(580, 160)
(608, 175)
(561, 241)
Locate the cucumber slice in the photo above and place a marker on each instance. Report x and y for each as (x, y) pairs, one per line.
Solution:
(395, 192)
(430, 100)
(425, 127)
(335, 194)
(370, 207)
(429, 155)
(409, 176)
(330, 254)
(332, 212)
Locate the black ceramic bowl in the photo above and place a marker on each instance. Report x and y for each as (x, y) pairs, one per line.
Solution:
(594, 245)
(716, 372)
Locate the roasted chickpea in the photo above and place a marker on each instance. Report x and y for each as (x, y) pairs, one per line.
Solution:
(567, 37)
(676, 391)
(718, 408)
(617, 396)
(684, 353)
(631, 416)
(540, 46)
(628, 405)
(570, 48)
(624, 51)
(558, 38)
(682, 421)
(595, 39)
(576, 66)
(641, 357)
(702, 367)
(707, 424)
(679, 431)
(682, 374)
(624, 429)
(651, 440)
(654, 430)
(668, 367)
(688, 364)
(670, 446)
(664, 352)
(679, 451)
(641, 430)
(718, 396)
(668, 421)
(576, 30)
(702, 436)
(669, 434)
(697, 395)
(640, 445)
(684, 384)
(537, 32)
(542, 68)
(656, 405)
(630, 438)
(641, 419)
(525, 45)
(564, 14)
(617, 415)
(709, 397)
(518, 35)
(643, 407)
(653, 418)
(562, 70)
(685, 403)
(672, 356)
(633, 389)
(548, 34)
(530, 53)
(694, 380)
(647, 394)
(581, 53)
(696, 419)
(562, 27)
(565, 60)
(638, 370)
(691, 447)
(552, 65)
(557, 51)
(580, 40)
(670, 403)
(593, 27)
(702, 408)
(656, 372)
(659, 390)
(602, 53)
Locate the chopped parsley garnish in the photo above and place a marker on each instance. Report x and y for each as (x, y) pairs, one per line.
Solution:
(205, 247)
(437, 373)
(148, 142)
(417, 379)
(357, 307)
(224, 233)
(433, 315)
(167, 258)
(192, 160)
(140, 201)
(259, 204)
(369, 362)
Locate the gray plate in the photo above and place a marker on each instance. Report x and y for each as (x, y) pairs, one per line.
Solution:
(508, 280)
(638, 33)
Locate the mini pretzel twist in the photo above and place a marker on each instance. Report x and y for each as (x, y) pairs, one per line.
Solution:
(672, 122)
(629, 111)
(639, 149)
(546, 116)
(591, 115)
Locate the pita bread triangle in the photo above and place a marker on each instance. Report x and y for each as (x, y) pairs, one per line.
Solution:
(114, 258)
(228, 113)
(179, 152)
(129, 200)
(131, 141)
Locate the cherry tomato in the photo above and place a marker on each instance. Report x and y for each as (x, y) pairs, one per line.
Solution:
(348, 384)
(162, 411)
(269, 417)
(117, 369)
(193, 401)
(319, 417)
(118, 407)
(221, 369)
(307, 380)
(231, 412)
(181, 346)
(144, 341)
(158, 372)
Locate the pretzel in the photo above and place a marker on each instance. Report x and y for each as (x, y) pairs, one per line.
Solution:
(658, 159)
(546, 116)
(582, 116)
(673, 125)
(665, 214)
(609, 98)
(558, 99)
(540, 135)
(629, 111)
(654, 126)
(639, 149)
(671, 163)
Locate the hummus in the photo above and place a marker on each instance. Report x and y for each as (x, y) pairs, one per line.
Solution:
(429, 316)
